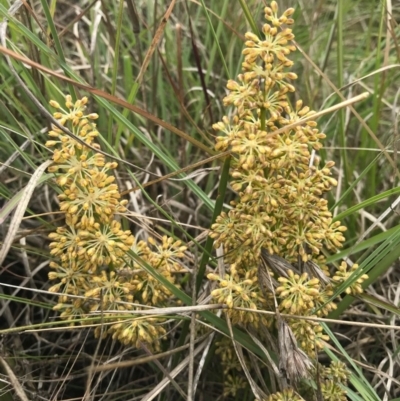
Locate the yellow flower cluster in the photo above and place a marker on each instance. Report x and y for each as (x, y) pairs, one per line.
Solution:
(234, 381)
(91, 261)
(342, 274)
(241, 291)
(330, 386)
(280, 216)
(286, 395)
(279, 184)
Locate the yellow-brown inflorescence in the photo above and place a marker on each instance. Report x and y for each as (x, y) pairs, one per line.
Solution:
(234, 381)
(91, 260)
(280, 210)
(330, 386)
(286, 395)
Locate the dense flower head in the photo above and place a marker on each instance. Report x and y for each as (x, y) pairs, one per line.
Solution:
(166, 254)
(309, 334)
(298, 293)
(72, 276)
(147, 331)
(92, 265)
(273, 170)
(332, 391)
(344, 273)
(81, 125)
(336, 371)
(89, 190)
(233, 384)
(279, 181)
(240, 292)
(288, 394)
(109, 290)
(280, 216)
(233, 381)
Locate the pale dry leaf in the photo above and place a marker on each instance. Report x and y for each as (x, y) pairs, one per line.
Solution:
(20, 211)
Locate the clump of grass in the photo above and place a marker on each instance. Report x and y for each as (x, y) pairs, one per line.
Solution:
(280, 208)
(255, 347)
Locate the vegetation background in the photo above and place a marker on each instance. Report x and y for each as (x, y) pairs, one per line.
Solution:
(169, 62)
